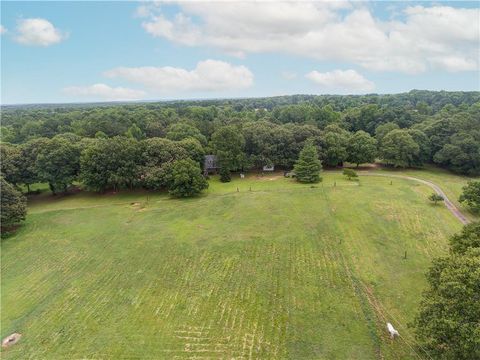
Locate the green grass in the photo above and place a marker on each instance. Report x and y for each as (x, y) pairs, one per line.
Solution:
(283, 270)
(450, 183)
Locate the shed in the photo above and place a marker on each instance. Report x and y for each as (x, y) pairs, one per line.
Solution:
(210, 163)
(269, 168)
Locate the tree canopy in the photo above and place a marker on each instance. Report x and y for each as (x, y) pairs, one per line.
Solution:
(447, 322)
(228, 144)
(13, 205)
(471, 195)
(110, 164)
(399, 149)
(186, 179)
(362, 148)
(58, 163)
(46, 143)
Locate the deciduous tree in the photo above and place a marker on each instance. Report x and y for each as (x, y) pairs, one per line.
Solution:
(469, 238)
(58, 163)
(334, 145)
(228, 144)
(447, 323)
(111, 164)
(134, 132)
(384, 129)
(10, 163)
(28, 171)
(194, 149)
(186, 179)
(461, 154)
(13, 205)
(424, 148)
(471, 195)
(399, 149)
(362, 148)
(180, 131)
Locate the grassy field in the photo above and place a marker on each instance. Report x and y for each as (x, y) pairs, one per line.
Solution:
(274, 270)
(450, 183)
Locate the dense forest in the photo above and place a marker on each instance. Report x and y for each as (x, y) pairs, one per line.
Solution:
(127, 145)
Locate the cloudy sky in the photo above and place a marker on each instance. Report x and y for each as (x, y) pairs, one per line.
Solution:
(98, 51)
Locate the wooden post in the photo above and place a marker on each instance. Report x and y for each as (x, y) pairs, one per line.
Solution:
(405, 256)
(237, 189)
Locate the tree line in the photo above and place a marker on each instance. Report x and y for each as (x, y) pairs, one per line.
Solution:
(104, 163)
(132, 161)
(433, 127)
(99, 164)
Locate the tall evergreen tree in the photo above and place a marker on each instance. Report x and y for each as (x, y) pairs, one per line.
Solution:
(308, 166)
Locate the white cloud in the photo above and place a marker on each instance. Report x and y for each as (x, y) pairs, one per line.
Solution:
(104, 92)
(427, 37)
(142, 11)
(454, 63)
(3, 29)
(38, 32)
(348, 81)
(147, 8)
(208, 75)
(289, 75)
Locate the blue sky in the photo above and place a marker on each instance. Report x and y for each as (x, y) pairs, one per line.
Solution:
(98, 51)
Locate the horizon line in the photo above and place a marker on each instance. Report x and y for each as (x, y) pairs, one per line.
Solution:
(119, 102)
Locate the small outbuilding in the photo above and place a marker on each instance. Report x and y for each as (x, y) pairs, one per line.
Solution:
(269, 168)
(210, 164)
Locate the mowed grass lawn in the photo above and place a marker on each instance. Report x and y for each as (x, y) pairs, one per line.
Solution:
(450, 183)
(275, 270)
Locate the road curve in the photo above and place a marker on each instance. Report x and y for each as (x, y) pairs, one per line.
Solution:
(450, 206)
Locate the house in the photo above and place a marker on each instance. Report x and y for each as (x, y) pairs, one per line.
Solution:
(210, 164)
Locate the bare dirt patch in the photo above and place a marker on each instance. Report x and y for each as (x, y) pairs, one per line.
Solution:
(11, 340)
(138, 206)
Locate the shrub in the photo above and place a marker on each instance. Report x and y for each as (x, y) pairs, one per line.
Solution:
(350, 174)
(435, 198)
